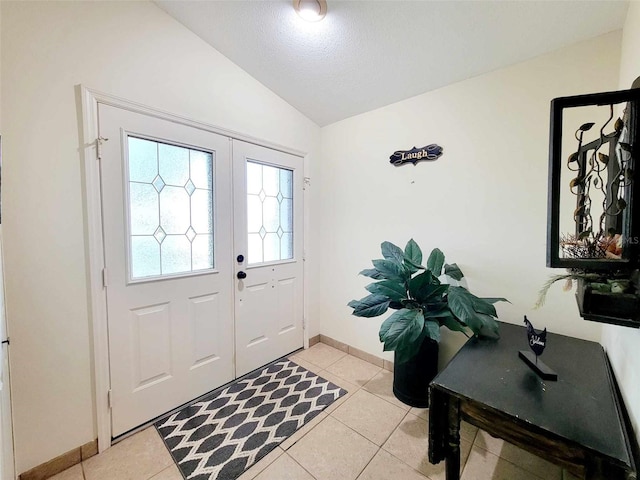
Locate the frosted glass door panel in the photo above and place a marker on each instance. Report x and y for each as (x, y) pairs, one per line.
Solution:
(170, 317)
(170, 209)
(268, 201)
(269, 213)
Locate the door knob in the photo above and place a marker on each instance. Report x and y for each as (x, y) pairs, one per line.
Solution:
(241, 275)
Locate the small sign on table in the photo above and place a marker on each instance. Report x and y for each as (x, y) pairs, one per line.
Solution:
(537, 342)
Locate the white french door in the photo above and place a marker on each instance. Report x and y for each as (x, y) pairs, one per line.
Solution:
(269, 251)
(181, 321)
(166, 197)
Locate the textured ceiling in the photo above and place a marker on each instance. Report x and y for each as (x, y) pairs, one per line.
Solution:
(367, 54)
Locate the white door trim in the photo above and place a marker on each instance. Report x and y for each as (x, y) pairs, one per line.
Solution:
(88, 100)
(8, 467)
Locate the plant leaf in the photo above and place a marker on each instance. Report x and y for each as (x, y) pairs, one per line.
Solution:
(436, 291)
(435, 262)
(585, 127)
(452, 323)
(490, 328)
(412, 267)
(391, 289)
(462, 305)
(573, 157)
(436, 311)
(494, 299)
(369, 306)
(603, 158)
(410, 304)
(453, 271)
(433, 329)
(406, 351)
(417, 283)
(401, 328)
(372, 272)
(413, 253)
(390, 270)
(385, 326)
(625, 146)
(392, 252)
(480, 306)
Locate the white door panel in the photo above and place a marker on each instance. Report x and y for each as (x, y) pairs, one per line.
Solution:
(268, 234)
(179, 209)
(169, 293)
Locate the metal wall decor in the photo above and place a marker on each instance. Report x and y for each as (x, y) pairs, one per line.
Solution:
(594, 202)
(593, 208)
(415, 155)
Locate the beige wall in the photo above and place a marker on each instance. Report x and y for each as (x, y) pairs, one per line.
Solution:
(623, 344)
(484, 202)
(129, 49)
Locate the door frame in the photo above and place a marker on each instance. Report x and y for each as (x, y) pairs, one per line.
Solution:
(7, 467)
(88, 101)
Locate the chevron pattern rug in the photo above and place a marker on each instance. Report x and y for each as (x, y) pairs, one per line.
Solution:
(219, 437)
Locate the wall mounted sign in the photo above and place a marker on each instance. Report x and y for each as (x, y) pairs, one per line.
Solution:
(430, 152)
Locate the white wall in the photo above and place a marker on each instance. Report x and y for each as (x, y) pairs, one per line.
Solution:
(484, 202)
(133, 50)
(623, 344)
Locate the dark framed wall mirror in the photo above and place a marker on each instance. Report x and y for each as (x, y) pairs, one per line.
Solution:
(594, 203)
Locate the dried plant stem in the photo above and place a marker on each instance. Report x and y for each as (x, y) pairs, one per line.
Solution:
(542, 294)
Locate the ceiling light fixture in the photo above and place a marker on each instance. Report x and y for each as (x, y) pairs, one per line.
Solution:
(310, 10)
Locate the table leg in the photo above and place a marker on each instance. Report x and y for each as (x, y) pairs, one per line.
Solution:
(438, 425)
(597, 469)
(453, 439)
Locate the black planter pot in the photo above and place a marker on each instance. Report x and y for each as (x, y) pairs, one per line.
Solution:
(411, 379)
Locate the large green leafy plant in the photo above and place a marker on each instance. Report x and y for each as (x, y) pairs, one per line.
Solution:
(423, 303)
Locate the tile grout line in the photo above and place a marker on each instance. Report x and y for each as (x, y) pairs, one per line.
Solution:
(367, 464)
(386, 400)
(473, 442)
(352, 429)
(508, 461)
(299, 464)
(388, 436)
(399, 459)
(382, 398)
(344, 354)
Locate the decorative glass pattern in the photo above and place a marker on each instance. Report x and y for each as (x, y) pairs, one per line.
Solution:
(170, 209)
(269, 213)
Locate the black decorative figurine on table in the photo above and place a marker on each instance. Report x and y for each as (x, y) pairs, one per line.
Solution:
(537, 342)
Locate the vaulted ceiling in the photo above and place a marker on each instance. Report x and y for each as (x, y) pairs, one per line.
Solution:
(366, 54)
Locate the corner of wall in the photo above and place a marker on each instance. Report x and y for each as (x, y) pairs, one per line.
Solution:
(622, 343)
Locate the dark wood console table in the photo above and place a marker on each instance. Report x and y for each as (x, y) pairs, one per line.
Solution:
(575, 422)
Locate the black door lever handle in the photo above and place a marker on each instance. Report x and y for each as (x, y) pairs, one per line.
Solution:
(241, 275)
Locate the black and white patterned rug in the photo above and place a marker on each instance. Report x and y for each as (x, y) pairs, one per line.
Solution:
(219, 437)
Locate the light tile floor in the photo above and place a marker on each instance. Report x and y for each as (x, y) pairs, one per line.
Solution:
(365, 435)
